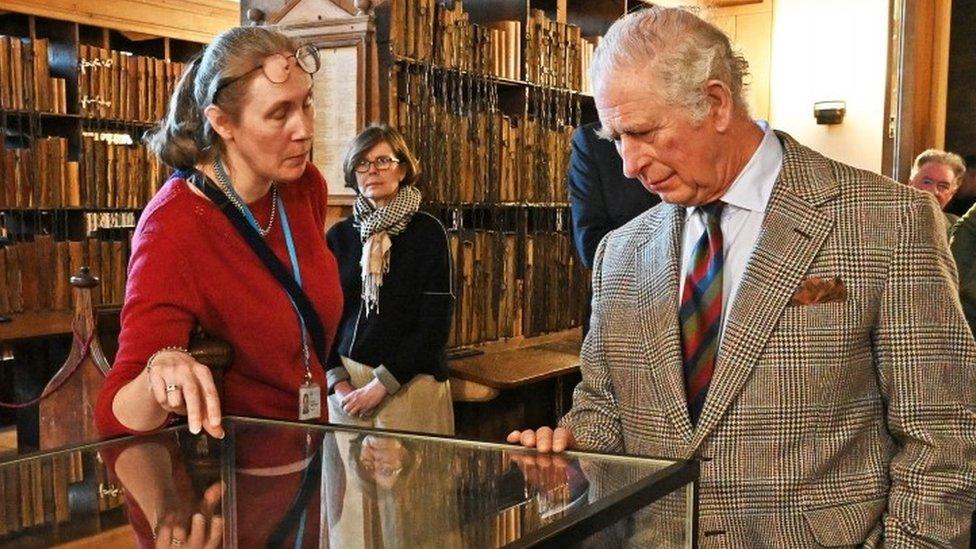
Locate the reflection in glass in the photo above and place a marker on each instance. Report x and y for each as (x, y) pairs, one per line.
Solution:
(273, 484)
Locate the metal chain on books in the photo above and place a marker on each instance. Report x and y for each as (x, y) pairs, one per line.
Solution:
(452, 103)
(472, 107)
(402, 79)
(498, 149)
(32, 137)
(474, 172)
(427, 127)
(542, 153)
(549, 133)
(3, 170)
(437, 130)
(487, 122)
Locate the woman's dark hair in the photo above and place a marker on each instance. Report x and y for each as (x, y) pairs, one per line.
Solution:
(373, 135)
(184, 137)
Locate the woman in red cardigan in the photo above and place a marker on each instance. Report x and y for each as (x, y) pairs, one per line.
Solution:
(239, 125)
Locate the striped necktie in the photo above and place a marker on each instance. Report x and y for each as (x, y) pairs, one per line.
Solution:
(701, 310)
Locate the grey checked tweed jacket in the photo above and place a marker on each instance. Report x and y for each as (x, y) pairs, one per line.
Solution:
(829, 424)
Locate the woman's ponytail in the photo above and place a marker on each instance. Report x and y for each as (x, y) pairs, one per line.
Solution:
(179, 139)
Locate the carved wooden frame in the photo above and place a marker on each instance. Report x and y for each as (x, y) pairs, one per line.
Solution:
(358, 32)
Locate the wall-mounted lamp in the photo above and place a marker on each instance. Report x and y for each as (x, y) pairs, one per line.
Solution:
(829, 112)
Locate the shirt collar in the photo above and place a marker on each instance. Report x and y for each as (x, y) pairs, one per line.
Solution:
(754, 184)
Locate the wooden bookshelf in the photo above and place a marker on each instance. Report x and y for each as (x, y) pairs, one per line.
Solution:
(488, 93)
(35, 324)
(75, 99)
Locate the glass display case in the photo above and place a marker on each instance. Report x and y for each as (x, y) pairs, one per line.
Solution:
(278, 484)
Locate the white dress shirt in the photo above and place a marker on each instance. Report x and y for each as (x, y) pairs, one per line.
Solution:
(742, 216)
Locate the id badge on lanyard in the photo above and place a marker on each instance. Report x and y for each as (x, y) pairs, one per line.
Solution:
(309, 393)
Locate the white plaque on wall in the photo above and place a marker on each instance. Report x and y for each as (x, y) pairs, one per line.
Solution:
(335, 117)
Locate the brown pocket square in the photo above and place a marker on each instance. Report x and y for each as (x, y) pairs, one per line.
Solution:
(816, 290)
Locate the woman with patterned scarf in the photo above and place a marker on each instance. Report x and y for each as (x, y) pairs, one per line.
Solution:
(388, 369)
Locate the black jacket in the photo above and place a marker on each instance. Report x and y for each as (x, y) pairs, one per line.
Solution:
(601, 198)
(409, 333)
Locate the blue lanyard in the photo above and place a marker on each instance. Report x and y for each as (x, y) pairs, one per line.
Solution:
(300, 536)
(295, 269)
(297, 273)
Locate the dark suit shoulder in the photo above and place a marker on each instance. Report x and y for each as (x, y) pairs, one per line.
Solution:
(427, 225)
(587, 142)
(586, 134)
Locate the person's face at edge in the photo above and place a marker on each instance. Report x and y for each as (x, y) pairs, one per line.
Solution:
(936, 179)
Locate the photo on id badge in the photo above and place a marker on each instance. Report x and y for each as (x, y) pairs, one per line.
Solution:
(310, 402)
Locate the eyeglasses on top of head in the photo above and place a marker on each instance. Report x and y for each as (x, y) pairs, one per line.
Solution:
(277, 67)
(382, 164)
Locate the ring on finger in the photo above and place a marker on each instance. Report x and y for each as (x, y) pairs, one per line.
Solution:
(172, 387)
(176, 541)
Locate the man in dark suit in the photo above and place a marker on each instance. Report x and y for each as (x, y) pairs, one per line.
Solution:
(602, 198)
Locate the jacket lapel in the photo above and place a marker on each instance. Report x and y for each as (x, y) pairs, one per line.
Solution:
(657, 263)
(792, 234)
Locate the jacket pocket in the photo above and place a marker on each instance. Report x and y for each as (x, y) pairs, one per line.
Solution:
(847, 523)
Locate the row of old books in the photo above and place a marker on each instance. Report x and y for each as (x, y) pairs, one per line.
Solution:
(487, 287)
(118, 176)
(511, 285)
(589, 47)
(555, 287)
(493, 49)
(37, 273)
(108, 176)
(117, 85)
(38, 493)
(475, 154)
(25, 77)
(412, 28)
(556, 54)
(482, 155)
(505, 40)
(544, 160)
(40, 176)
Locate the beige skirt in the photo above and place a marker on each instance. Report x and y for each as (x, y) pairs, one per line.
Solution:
(422, 405)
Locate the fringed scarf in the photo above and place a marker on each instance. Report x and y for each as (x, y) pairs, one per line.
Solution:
(376, 226)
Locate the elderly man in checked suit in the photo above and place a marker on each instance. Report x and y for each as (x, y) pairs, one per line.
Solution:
(788, 320)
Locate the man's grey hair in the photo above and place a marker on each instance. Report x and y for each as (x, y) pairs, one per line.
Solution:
(683, 52)
(950, 159)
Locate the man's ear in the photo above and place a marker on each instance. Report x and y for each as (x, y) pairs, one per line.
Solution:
(220, 122)
(721, 104)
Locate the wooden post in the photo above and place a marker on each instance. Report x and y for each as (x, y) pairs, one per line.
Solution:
(67, 415)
